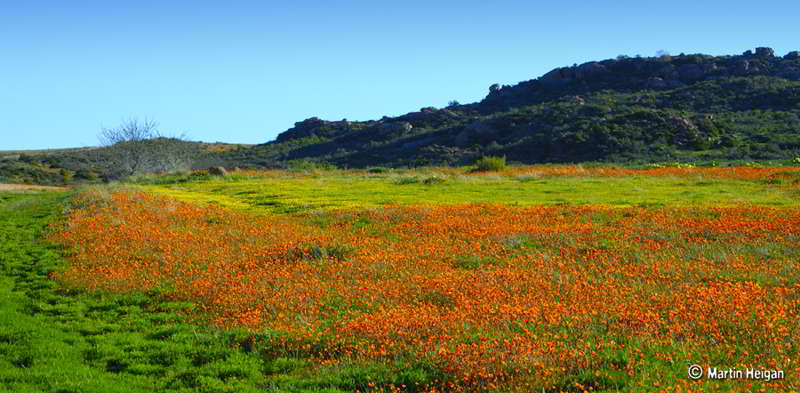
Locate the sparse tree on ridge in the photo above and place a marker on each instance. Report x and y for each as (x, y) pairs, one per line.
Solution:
(139, 147)
(131, 130)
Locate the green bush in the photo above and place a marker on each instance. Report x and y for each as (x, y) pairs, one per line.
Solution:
(434, 180)
(406, 180)
(490, 164)
(67, 175)
(309, 165)
(86, 174)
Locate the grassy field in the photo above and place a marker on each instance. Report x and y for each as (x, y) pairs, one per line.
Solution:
(56, 338)
(281, 192)
(554, 278)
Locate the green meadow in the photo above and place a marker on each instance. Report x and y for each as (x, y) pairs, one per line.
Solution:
(315, 190)
(55, 338)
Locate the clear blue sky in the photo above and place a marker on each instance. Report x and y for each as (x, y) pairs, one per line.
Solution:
(243, 71)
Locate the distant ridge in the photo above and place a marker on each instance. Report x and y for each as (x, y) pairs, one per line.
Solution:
(684, 107)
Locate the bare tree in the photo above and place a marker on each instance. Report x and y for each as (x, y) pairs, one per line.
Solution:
(138, 147)
(131, 130)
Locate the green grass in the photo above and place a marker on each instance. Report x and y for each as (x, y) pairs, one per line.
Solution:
(325, 190)
(57, 339)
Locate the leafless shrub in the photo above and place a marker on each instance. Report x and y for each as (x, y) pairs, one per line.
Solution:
(137, 147)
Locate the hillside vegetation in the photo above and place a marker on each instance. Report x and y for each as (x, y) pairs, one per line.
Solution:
(688, 108)
(102, 164)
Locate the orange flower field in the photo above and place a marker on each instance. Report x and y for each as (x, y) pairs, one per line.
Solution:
(557, 298)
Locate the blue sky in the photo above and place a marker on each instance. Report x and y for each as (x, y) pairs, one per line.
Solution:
(243, 71)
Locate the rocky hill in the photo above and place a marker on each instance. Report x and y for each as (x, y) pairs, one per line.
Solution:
(685, 107)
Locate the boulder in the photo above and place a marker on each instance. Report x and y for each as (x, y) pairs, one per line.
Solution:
(682, 123)
(793, 55)
(765, 52)
(217, 171)
(685, 130)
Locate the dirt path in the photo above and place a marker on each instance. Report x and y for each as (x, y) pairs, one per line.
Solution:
(29, 187)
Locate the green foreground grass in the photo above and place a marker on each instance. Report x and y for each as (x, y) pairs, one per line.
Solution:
(57, 339)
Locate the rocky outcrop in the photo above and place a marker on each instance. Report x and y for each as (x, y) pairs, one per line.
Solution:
(301, 129)
(314, 127)
(765, 52)
(683, 124)
(665, 72)
(685, 131)
(395, 127)
(587, 111)
(430, 119)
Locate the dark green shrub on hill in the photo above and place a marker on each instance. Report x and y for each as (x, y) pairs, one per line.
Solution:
(490, 164)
